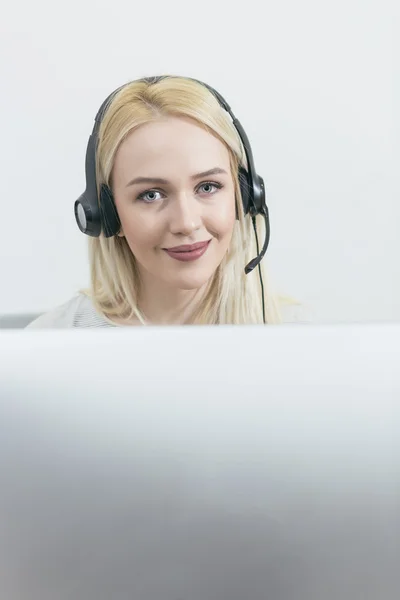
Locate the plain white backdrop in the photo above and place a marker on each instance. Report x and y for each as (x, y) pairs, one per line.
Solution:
(313, 83)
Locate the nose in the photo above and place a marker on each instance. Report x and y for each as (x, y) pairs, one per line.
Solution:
(185, 215)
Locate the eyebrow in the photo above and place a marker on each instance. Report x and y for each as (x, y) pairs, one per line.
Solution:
(137, 180)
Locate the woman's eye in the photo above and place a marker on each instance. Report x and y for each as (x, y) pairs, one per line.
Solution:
(149, 196)
(210, 187)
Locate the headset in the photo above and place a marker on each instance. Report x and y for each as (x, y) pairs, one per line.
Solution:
(97, 214)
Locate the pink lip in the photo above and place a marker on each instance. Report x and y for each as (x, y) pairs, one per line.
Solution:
(188, 252)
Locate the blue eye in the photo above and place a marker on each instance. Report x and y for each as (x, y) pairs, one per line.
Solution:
(149, 196)
(210, 184)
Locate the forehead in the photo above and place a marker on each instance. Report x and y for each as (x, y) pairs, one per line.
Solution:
(169, 142)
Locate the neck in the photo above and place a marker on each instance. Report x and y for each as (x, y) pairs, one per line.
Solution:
(163, 305)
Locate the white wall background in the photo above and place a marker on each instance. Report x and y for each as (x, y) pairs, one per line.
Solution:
(312, 82)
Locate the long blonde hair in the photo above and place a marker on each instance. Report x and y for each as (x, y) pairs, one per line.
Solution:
(232, 296)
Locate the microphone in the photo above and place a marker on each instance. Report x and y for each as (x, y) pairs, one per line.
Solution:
(256, 261)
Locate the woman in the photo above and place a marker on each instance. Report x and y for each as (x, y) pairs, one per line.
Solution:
(171, 202)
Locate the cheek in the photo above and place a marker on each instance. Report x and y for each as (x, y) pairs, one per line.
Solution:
(141, 234)
(222, 221)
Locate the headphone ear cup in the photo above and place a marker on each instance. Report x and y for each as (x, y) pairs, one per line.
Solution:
(87, 215)
(245, 189)
(111, 223)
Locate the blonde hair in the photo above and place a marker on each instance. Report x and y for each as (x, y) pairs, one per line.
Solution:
(232, 296)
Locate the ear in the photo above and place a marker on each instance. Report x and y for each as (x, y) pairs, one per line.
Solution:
(244, 189)
(109, 214)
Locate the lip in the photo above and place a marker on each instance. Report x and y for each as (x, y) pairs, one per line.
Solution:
(188, 252)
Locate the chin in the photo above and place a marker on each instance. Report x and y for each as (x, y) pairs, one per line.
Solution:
(192, 281)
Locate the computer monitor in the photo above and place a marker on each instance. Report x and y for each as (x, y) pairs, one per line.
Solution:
(200, 463)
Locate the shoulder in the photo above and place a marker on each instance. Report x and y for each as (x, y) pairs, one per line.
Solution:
(77, 312)
(296, 313)
(61, 316)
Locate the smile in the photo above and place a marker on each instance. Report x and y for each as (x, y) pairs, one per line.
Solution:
(188, 252)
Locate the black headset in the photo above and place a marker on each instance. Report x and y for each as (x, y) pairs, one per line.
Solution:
(99, 215)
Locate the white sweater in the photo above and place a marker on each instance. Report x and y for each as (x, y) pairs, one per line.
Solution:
(80, 312)
(77, 312)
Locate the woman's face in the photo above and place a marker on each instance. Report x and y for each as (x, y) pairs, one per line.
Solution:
(175, 197)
